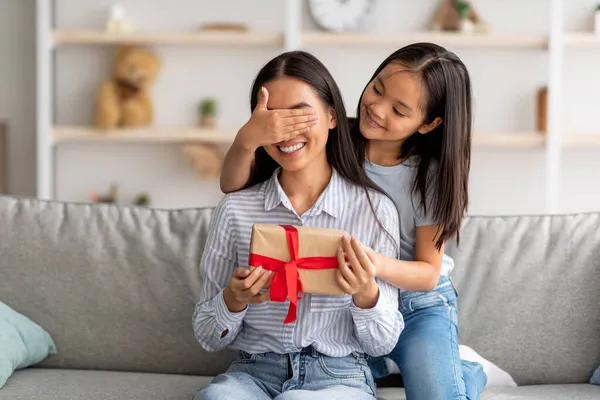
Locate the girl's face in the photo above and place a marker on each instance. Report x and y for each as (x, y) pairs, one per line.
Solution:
(391, 106)
(297, 153)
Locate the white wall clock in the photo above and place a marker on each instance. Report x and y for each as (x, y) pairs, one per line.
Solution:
(340, 15)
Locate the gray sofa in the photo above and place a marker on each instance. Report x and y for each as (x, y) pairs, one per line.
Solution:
(116, 288)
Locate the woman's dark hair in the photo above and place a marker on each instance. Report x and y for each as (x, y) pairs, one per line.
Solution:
(340, 151)
(446, 150)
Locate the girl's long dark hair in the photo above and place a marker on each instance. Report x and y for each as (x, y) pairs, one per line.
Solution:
(447, 148)
(340, 151)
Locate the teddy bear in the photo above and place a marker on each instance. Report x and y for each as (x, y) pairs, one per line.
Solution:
(124, 101)
(448, 17)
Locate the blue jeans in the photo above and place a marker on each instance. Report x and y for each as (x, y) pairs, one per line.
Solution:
(299, 376)
(427, 350)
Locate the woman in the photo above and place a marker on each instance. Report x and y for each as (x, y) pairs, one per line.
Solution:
(313, 180)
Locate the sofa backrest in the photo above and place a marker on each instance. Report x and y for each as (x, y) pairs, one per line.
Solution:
(115, 287)
(529, 294)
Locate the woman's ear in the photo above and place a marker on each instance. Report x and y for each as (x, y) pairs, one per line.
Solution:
(332, 119)
(426, 128)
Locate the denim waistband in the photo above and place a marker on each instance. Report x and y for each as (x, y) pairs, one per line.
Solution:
(309, 351)
(444, 285)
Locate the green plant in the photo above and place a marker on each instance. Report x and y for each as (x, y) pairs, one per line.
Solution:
(463, 8)
(142, 199)
(208, 107)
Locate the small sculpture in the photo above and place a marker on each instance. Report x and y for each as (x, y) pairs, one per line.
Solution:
(117, 21)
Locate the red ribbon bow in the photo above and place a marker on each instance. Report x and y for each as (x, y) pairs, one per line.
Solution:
(286, 282)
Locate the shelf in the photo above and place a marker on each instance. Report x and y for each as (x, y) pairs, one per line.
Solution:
(441, 38)
(143, 135)
(83, 37)
(581, 140)
(514, 140)
(581, 39)
(226, 136)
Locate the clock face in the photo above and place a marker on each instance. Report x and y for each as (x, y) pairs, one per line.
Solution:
(340, 15)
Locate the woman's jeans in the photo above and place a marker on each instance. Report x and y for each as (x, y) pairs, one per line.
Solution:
(427, 351)
(306, 375)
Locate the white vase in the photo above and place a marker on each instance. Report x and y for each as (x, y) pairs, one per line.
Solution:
(597, 22)
(467, 26)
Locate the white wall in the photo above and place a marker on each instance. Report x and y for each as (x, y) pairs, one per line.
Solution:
(17, 91)
(505, 84)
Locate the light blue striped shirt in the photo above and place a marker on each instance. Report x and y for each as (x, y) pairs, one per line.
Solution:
(333, 325)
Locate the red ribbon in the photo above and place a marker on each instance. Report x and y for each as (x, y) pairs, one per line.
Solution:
(286, 282)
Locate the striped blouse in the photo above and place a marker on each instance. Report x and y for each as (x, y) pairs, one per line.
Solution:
(333, 325)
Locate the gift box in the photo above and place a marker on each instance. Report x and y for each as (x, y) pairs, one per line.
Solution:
(304, 260)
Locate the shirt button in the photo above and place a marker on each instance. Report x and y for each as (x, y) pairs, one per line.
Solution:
(224, 333)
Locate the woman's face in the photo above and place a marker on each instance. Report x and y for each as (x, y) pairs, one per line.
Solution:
(297, 153)
(391, 106)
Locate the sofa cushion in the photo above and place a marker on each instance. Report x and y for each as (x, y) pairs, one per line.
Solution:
(115, 287)
(543, 392)
(23, 343)
(529, 295)
(54, 384)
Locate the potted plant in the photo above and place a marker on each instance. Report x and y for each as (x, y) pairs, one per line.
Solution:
(208, 113)
(464, 9)
(597, 19)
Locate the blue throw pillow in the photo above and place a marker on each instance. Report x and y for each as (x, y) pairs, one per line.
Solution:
(22, 342)
(596, 377)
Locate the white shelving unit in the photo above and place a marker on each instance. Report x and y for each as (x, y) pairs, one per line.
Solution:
(293, 37)
(453, 40)
(167, 134)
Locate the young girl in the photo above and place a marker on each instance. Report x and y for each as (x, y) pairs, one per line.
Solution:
(413, 136)
(312, 180)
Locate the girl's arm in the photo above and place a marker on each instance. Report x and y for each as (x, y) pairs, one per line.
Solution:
(237, 166)
(421, 275)
(264, 127)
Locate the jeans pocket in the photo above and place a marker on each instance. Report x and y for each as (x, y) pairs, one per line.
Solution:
(327, 303)
(341, 367)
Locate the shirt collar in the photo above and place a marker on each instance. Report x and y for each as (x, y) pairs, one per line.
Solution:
(331, 201)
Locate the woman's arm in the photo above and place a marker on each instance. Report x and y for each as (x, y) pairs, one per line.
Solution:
(215, 326)
(265, 127)
(421, 275)
(377, 321)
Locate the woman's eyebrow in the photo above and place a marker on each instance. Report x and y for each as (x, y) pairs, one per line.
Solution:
(301, 105)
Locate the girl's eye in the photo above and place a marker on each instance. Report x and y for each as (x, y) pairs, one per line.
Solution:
(377, 92)
(398, 113)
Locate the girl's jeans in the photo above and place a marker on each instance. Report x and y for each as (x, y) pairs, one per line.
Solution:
(427, 351)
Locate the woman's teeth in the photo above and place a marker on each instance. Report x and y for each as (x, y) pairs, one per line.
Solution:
(291, 149)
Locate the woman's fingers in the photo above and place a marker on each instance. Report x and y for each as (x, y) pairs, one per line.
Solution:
(357, 268)
(252, 278)
(363, 258)
(260, 283)
(347, 273)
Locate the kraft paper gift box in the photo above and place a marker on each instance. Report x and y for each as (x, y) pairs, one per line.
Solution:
(301, 257)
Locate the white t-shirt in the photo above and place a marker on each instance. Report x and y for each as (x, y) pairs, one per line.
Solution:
(397, 181)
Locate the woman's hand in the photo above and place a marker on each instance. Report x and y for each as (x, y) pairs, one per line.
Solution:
(357, 275)
(244, 288)
(266, 127)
